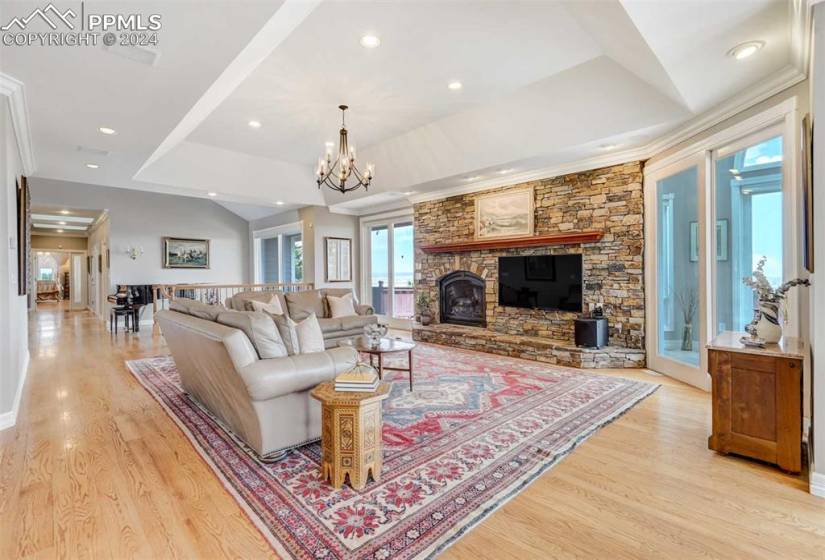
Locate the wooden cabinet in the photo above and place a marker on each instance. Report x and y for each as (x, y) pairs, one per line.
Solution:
(757, 400)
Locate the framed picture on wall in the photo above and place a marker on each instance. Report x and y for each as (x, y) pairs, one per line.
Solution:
(185, 253)
(508, 213)
(338, 259)
(721, 241)
(22, 236)
(807, 193)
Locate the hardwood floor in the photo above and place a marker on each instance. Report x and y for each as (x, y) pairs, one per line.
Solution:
(94, 468)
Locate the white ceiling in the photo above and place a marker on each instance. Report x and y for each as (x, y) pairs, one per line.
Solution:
(545, 83)
(63, 222)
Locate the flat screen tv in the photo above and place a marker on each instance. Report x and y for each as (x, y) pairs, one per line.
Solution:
(541, 282)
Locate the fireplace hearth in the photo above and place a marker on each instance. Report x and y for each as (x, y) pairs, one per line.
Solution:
(461, 296)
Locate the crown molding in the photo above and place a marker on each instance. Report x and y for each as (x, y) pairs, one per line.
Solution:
(779, 82)
(14, 90)
(782, 80)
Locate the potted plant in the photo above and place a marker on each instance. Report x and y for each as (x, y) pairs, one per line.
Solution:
(768, 327)
(689, 304)
(422, 304)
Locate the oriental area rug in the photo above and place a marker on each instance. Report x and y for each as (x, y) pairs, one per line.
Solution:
(475, 432)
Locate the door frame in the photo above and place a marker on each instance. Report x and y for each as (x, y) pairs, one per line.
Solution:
(693, 375)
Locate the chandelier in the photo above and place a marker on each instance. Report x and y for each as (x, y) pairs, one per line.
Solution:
(334, 174)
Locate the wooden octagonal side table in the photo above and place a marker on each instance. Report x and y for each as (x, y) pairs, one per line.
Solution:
(351, 435)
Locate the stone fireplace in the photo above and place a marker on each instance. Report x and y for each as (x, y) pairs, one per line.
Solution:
(461, 299)
(464, 280)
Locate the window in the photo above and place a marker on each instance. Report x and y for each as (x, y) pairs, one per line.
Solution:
(389, 264)
(279, 256)
(45, 274)
(748, 227)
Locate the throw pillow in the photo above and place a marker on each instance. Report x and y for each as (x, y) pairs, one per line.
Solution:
(289, 333)
(259, 328)
(273, 307)
(302, 304)
(310, 337)
(343, 306)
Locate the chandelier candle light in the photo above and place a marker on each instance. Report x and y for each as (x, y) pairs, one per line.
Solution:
(334, 174)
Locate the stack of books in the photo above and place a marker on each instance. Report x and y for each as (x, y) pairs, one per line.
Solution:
(360, 379)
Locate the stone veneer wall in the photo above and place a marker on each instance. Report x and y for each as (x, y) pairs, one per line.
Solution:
(608, 199)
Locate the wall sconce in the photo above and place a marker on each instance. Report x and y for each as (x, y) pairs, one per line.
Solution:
(134, 252)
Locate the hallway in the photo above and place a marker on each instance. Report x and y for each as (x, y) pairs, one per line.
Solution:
(94, 468)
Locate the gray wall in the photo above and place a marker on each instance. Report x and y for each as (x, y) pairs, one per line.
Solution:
(142, 218)
(318, 223)
(14, 354)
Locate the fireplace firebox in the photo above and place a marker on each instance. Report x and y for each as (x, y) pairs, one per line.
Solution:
(461, 296)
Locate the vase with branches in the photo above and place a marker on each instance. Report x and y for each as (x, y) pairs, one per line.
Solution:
(770, 299)
(689, 303)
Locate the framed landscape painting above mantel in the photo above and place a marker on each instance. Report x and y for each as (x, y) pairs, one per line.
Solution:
(504, 214)
(185, 253)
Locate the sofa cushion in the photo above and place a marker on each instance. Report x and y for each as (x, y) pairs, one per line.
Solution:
(357, 321)
(310, 337)
(273, 307)
(288, 331)
(302, 304)
(330, 325)
(240, 301)
(196, 308)
(339, 292)
(260, 329)
(340, 306)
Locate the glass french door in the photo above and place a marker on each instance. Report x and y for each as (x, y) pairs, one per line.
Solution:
(703, 236)
(390, 271)
(749, 209)
(676, 246)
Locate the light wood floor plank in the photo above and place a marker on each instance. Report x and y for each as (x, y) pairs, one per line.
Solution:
(95, 468)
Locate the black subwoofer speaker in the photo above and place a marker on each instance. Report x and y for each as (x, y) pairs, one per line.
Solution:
(591, 333)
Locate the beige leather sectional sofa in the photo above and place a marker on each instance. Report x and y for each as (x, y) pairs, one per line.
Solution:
(299, 305)
(264, 402)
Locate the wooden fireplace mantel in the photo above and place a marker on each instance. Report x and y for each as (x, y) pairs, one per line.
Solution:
(568, 238)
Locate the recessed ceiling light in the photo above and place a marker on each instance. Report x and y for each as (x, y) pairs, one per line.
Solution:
(455, 85)
(62, 223)
(608, 147)
(107, 130)
(505, 171)
(279, 202)
(92, 165)
(745, 50)
(212, 194)
(60, 231)
(473, 178)
(408, 193)
(255, 124)
(369, 41)
(65, 212)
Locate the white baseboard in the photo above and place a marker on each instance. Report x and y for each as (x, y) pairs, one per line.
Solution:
(9, 419)
(817, 484)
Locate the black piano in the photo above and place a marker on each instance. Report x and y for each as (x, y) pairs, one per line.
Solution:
(130, 300)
